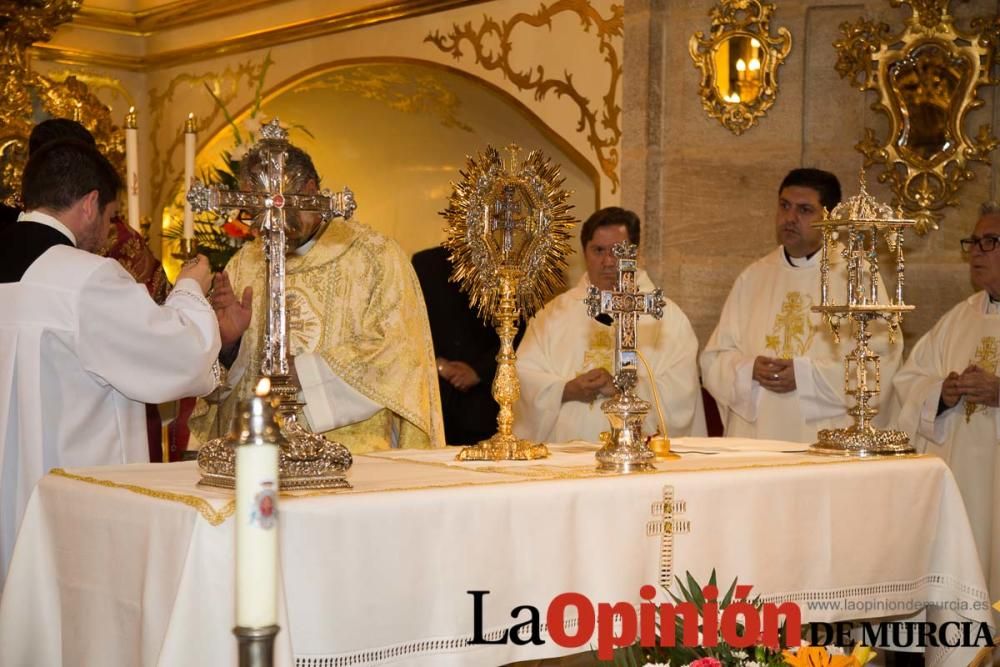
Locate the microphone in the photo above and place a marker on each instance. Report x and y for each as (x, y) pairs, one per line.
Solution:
(604, 319)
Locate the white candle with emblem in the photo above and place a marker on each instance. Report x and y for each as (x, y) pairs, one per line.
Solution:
(132, 168)
(190, 139)
(257, 513)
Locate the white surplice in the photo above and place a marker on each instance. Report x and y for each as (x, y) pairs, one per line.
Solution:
(562, 342)
(82, 348)
(967, 435)
(768, 313)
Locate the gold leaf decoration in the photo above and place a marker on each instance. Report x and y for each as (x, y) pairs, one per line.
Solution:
(602, 125)
(509, 221)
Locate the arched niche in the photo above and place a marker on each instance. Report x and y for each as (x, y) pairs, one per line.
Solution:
(397, 132)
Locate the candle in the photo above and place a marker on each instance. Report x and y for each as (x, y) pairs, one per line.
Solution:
(189, 145)
(132, 168)
(257, 514)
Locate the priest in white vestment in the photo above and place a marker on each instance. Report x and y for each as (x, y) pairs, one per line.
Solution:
(772, 364)
(564, 362)
(83, 346)
(948, 391)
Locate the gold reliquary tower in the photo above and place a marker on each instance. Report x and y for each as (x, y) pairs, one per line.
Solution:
(862, 229)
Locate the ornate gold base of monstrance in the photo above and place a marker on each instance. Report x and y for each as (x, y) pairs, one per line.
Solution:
(504, 445)
(862, 224)
(508, 229)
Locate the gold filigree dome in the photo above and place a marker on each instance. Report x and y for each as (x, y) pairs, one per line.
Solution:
(863, 207)
(508, 219)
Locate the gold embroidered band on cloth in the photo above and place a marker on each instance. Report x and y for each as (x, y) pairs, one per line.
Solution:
(203, 507)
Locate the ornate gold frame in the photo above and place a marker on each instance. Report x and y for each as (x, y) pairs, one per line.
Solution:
(739, 18)
(870, 54)
(22, 89)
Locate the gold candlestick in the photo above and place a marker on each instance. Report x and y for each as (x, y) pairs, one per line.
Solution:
(508, 236)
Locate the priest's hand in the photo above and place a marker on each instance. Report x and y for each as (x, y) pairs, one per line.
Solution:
(979, 386)
(234, 315)
(459, 374)
(199, 270)
(586, 387)
(777, 375)
(950, 392)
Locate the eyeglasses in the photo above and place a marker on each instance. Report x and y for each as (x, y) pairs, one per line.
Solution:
(986, 244)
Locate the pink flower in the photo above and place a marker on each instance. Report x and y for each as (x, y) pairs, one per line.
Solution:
(706, 662)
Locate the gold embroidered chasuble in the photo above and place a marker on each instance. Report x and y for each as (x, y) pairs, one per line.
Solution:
(354, 299)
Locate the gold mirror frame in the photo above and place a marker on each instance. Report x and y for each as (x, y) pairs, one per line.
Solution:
(874, 58)
(731, 19)
(27, 93)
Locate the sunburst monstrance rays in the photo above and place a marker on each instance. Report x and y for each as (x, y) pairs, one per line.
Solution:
(509, 219)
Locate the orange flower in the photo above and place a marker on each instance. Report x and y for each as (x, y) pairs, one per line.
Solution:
(818, 656)
(236, 229)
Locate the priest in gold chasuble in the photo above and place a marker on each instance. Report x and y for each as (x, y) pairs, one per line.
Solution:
(358, 332)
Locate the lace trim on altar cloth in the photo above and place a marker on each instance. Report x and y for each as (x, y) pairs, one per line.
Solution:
(411, 649)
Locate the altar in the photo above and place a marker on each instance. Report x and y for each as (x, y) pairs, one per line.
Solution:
(133, 565)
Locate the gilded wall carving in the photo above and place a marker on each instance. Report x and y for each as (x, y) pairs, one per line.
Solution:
(114, 90)
(492, 44)
(226, 86)
(399, 91)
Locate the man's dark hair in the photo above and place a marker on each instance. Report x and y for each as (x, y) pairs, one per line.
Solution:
(60, 173)
(823, 182)
(299, 169)
(607, 217)
(58, 129)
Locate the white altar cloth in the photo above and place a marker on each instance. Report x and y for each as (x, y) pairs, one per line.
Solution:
(132, 565)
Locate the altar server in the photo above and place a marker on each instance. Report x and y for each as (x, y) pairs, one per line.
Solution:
(82, 345)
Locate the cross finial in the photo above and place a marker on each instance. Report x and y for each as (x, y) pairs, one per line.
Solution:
(625, 304)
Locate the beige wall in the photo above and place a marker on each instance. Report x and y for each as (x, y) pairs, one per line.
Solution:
(708, 196)
(564, 69)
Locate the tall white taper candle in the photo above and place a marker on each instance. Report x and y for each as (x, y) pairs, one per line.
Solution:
(132, 168)
(190, 139)
(257, 517)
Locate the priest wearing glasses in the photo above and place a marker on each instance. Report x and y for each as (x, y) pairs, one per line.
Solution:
(948, 391)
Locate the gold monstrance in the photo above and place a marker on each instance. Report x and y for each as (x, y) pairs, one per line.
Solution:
(508, 235)
(862, 225)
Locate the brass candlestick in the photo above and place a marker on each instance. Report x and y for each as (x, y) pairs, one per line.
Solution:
(186, 249)
(508, 236)
(862, 225)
